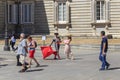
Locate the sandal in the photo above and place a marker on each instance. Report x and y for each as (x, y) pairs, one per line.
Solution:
(37, 65)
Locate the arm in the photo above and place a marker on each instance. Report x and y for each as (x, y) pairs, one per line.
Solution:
(33, 45)
(26, 49)
(59, 39)
(25, 46)
(51, 43)
(67, 41)
(104, 45)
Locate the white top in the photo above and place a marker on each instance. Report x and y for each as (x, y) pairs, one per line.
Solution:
(21, 49)
(13, 39)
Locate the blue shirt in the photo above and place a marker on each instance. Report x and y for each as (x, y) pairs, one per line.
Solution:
(21, 49)
(104, 40)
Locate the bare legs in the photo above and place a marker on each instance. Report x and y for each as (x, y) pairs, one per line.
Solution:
(30, 61)
(57, 55)
(70, 56)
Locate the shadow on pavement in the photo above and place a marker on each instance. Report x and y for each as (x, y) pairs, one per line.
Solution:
(78, 58)
(34, 70)
(43, 65)
(54, 59)
(115, 68)
(3, 65)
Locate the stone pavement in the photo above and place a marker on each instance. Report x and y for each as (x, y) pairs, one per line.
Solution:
(85, 66)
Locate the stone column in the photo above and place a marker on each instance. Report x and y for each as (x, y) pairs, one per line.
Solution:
(55, 16)
(107, 16)
(55, 12)
(68, 13)
(93, 5)
(107, 10)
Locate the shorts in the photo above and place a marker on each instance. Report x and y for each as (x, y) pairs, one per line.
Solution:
(22, 59)
(31, 53)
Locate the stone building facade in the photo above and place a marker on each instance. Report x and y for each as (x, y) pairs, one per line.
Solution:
(77, 17)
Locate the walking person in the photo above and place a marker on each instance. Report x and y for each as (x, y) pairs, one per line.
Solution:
(103, 52)
(56, 42)
(12, 42)
(31, 47)
(22, 51)
(67, 49)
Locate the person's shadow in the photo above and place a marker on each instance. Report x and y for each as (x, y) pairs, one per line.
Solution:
(3, 65)
(115, 68)
(34, 70)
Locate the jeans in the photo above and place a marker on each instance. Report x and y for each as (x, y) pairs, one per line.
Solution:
(102, 58)
(12, 45)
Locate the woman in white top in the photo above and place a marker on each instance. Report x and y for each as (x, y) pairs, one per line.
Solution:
(67, 49)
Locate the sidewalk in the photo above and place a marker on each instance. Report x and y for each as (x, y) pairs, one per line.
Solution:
(85, 66)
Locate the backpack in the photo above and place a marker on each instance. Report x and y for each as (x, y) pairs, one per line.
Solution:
(35, 44)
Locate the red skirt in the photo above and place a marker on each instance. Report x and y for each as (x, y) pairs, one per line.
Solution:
(31, 53)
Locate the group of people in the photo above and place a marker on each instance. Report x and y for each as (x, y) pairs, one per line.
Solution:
(29, 45)
(67, 50)
(24, 47)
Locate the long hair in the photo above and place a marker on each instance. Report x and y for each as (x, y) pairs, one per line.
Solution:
(69, 37)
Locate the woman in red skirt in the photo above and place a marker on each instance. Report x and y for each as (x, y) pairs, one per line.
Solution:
(31, 47)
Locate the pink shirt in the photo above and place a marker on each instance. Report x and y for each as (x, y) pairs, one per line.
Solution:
(66, 41)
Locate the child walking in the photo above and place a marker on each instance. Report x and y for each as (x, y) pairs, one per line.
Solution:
(67, 49)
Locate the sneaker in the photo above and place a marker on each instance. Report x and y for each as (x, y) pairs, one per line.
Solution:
(23, 70)
(55, 58)
(107, 67)
(19, 64)
(102, 69)
(37, 65)
(26, 68)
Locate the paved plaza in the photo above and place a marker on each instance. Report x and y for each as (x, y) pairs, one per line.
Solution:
(85, 66)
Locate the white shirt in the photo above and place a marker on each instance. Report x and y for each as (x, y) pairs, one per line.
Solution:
(21, 49)
(13, 39)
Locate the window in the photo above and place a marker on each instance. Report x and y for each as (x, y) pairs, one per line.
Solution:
(100, 10)
(27, 13)
(62, 12)
(12, 13)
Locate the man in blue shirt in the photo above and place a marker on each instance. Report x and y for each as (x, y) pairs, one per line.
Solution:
(22, 51)
(103, 52)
